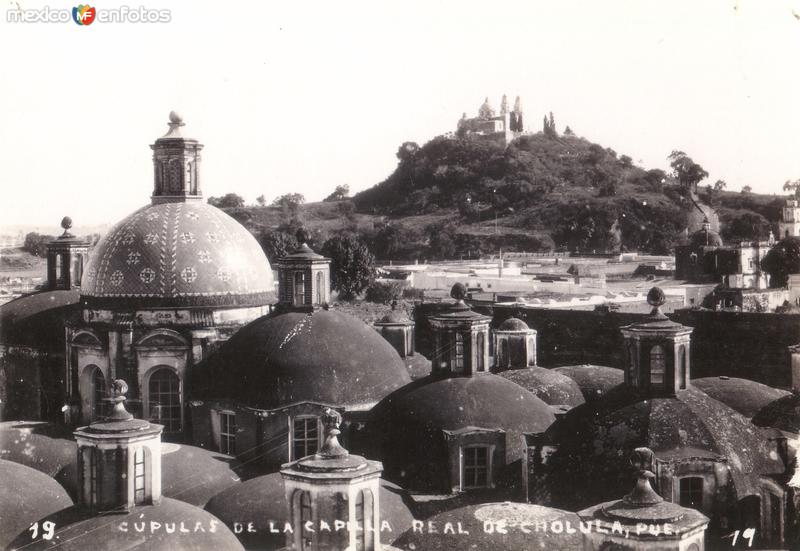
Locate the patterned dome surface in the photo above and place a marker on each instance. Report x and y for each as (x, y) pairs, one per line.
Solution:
(178, 253)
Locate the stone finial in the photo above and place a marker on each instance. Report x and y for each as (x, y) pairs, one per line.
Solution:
(656, 298)
(118, 390)
(66, 223)
(302, 236)
(175, 123)
(643, 494)
(458, 292)
(331, 449)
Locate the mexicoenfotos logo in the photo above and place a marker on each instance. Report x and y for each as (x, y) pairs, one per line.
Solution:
(84, 15)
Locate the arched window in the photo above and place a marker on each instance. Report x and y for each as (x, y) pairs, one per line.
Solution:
(364, 511)
(458, 357)
(165, 399)
(305, 516)
(480, 350)
(504, 353)
(683, 372)
(658, 365)
(299, 289)
(320, 288)
(99, 403)
(139, 476)
(691, 492)
(59, 267)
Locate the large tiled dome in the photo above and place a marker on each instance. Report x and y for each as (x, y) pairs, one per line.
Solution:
(178, 253)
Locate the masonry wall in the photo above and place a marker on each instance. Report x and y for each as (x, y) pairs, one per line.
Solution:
(741, 344)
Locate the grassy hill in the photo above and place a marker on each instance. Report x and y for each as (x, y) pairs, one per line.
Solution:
(461, 197)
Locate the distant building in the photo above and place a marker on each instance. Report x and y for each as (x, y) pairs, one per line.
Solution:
(488, 125)
(789, 226)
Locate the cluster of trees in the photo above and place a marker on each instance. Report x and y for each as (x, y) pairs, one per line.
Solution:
(36, 243)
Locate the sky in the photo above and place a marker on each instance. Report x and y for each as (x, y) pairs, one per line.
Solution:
(304, 96)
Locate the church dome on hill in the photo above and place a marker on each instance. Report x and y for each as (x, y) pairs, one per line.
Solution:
(705, 237)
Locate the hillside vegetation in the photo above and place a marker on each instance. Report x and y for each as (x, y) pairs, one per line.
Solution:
(463, 197)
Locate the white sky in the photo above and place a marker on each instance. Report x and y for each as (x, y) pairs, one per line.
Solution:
(290, 96)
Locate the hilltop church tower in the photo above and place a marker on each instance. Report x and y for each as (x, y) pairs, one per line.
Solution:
(789, 226)
(488, 125)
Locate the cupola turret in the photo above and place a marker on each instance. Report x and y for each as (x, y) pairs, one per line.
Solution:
(461, 338)
(333, 487)
(119, 459)
(514, 345)
(176, 162)
(304, 278)
(66, 257)
(656, 354)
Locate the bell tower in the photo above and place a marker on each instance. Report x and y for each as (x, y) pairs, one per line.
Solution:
(657, 351)
(176, 165)
(66, 257)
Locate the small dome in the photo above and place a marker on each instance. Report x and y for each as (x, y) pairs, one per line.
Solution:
(551, 387)
(593, 380)
(76, 529)
(520, 523)
(742, 395)
(38, 446)
(324, 356)
(705, 238)
(27, 496)
(178, 254)
(513, 324)
(262, 500)
(783, 414)
(405, 428)
(211, 473)
(395, 317)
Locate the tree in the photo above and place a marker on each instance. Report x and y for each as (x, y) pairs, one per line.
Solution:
(792, 186)
(686, 171)
(291, 200)
(407, 151)
(352, 265)
(747, 189)
(719, 185)
(568, 131)
(36, 243)
(277, 243)
(261, 200)
(339, 194)
(626, 161)
(782, 260)
(229, 200)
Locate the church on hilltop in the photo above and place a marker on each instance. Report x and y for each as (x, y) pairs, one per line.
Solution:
(488, 125)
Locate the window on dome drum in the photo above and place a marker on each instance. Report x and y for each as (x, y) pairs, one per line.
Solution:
(299, 288)
(364, 515)
(304, 516)
(658, 365)
(90, 469)
(774, 517)
(691, 492)
(480, 349)
(99, 404)
(475, 470)
(227, 433)
(458, 357)
(682, 371)
(165, 399)
(138, 476)
(305, 437)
